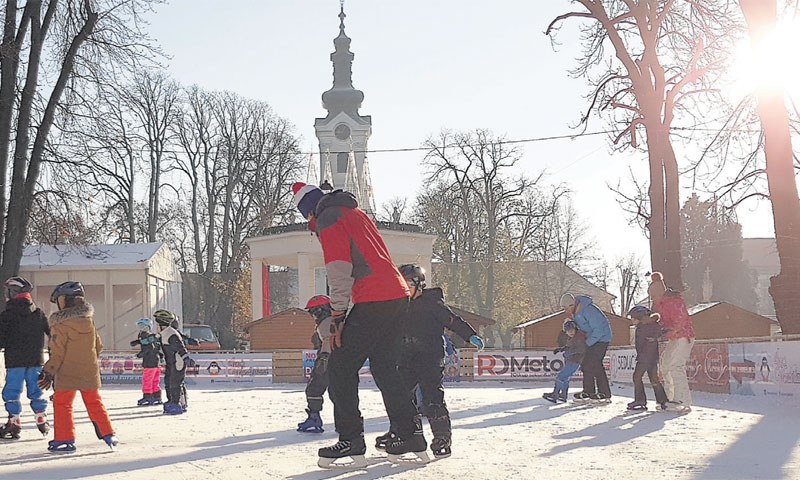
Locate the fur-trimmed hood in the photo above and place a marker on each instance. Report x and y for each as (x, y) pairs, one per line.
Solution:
(78, 312)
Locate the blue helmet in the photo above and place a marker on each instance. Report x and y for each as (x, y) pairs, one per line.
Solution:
(569, 324)
(144, 324)
(639, 312)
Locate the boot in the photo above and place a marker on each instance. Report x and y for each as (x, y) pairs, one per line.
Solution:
(155, 398)
(380, 442)
(312, 424)
(61, 446)
(412, 443)
(12, 428)
(145, 400)
(440, 446)
(355, 449)
(42, 424)
(550, 397)
(172, 409)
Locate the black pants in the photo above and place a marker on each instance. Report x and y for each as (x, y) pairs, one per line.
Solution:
(317, 383)
(427, 373)
(371, 331)
(638, 385)
(173, 381)
(594, 375)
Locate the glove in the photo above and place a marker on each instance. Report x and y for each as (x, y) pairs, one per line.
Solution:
(558, 350)
(321, 363)
(337, 324)
(477, 341)
(180, 361)
(45, 380)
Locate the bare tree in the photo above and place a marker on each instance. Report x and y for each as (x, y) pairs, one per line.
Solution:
(629, 276)
(393, 210)
(663, 52)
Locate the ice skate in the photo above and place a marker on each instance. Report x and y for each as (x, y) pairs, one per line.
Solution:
(562, 397)
(155, 398)
(145, 400)
(343, 449)
(42, 424)
(61, 446)
(600, 399)
(380, 442)
(111, 440)
(440, 447)
(549, 396)
(581, 398)
(172, 409)
(414, 443)
(312, 424)
(676, 407)
(10, 431)
(635, 406)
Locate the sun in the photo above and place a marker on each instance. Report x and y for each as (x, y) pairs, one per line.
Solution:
(772, 64)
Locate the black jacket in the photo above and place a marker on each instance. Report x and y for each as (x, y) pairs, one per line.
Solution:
(424, 325)
(573, 347)
(150, 349)
(172, 346)
(22, 330)
(647, 343)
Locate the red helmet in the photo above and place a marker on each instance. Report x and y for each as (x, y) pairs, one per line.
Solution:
(317, 301)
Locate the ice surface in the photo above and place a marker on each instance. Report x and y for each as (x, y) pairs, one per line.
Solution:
(499, 431)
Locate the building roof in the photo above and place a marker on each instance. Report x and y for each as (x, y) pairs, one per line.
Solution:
(277, 317)
(702, 306)
(705, 307)
(89, 257)
(472, 318)
(537, 320)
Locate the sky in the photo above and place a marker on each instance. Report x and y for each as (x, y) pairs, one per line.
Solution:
(423, 66)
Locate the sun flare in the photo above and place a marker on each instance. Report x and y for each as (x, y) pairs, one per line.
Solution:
(772, 64)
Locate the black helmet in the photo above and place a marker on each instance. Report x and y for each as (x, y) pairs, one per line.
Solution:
(67, 289)
(16, 286)
(164, 317)
(414, 275)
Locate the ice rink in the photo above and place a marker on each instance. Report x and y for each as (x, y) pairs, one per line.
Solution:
(503, 430)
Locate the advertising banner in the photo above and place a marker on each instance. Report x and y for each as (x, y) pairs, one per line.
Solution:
(765, 369)
(530, 365)
(452, 368)
(309, 357)
(708, 369)
(622, 362)
(203, 369)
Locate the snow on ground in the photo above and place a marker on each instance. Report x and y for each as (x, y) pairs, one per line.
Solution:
(503, 430)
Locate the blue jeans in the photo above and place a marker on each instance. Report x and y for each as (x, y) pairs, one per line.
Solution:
(562, 379)
(13, 389)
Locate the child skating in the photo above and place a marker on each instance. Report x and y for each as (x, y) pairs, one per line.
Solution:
(22, 329)
(150, 353)
(74, 348)
(319, 306)
(572, 342)
(648, 330)
(176, 357)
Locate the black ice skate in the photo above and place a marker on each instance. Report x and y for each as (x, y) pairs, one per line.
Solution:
(581, 397)
(353, 449)
(600, 399)
(10, 431)
(380, 442)
(440, 447)
(414, 443)
(549, 396)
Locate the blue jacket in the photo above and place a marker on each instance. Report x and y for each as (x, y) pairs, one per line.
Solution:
(592, 321)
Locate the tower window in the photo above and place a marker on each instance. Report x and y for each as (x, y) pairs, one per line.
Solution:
(342, 159)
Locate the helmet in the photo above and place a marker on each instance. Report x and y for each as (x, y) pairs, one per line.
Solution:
(164, 317)
(144, 324)
(16, 286)
(67, 289)
(639, 312)
(414, 275)
(569, 324)
(319, 306)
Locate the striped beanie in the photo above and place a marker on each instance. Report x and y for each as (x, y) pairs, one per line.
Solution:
(306, 197)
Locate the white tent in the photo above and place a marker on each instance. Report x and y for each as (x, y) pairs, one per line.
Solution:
(123, 282)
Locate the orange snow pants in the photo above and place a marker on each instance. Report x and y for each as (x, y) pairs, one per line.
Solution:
(62, 409)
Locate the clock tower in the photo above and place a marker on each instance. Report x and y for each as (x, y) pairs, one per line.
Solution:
(343, 134)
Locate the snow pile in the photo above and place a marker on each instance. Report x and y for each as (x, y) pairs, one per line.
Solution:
(500, 431)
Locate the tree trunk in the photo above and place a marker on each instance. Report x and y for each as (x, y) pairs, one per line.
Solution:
(761, 18)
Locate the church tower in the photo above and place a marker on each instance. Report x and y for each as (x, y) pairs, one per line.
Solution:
(343, 134)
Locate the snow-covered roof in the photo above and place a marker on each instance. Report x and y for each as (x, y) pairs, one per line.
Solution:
(540, 319)
(89, 257)
(702, 306)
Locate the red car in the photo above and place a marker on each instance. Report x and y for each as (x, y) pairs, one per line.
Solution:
(201, 335)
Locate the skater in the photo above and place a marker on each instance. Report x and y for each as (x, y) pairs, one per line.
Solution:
(598, 335)
(74, 348)
(176, 358)
(680, 339)
(319, 306)
(150, 353)
(22, 329)
(360, 269)
(648, 330)
(422, 355)
(572, 342)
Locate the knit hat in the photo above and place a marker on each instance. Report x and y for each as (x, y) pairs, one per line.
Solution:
(306, 197)
(567, 300)
(657, 287)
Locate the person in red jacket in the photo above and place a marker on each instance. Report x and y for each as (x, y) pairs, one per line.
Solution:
(680, 339)
(360, 270)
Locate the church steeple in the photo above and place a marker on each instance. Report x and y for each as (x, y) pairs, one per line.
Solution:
(342, 97)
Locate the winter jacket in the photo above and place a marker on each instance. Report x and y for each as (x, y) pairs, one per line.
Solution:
(592, 321)
(173, 348)
(425, 321)
(150, 349)
(22, 330)
(74, 348)
(573, 347)
(647, 343)
(322, 335)
(674, 316)
(356, 259)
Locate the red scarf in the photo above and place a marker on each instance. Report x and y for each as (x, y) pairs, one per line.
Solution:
(25, 295)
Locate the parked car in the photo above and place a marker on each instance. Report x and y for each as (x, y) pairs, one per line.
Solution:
(203, 336)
